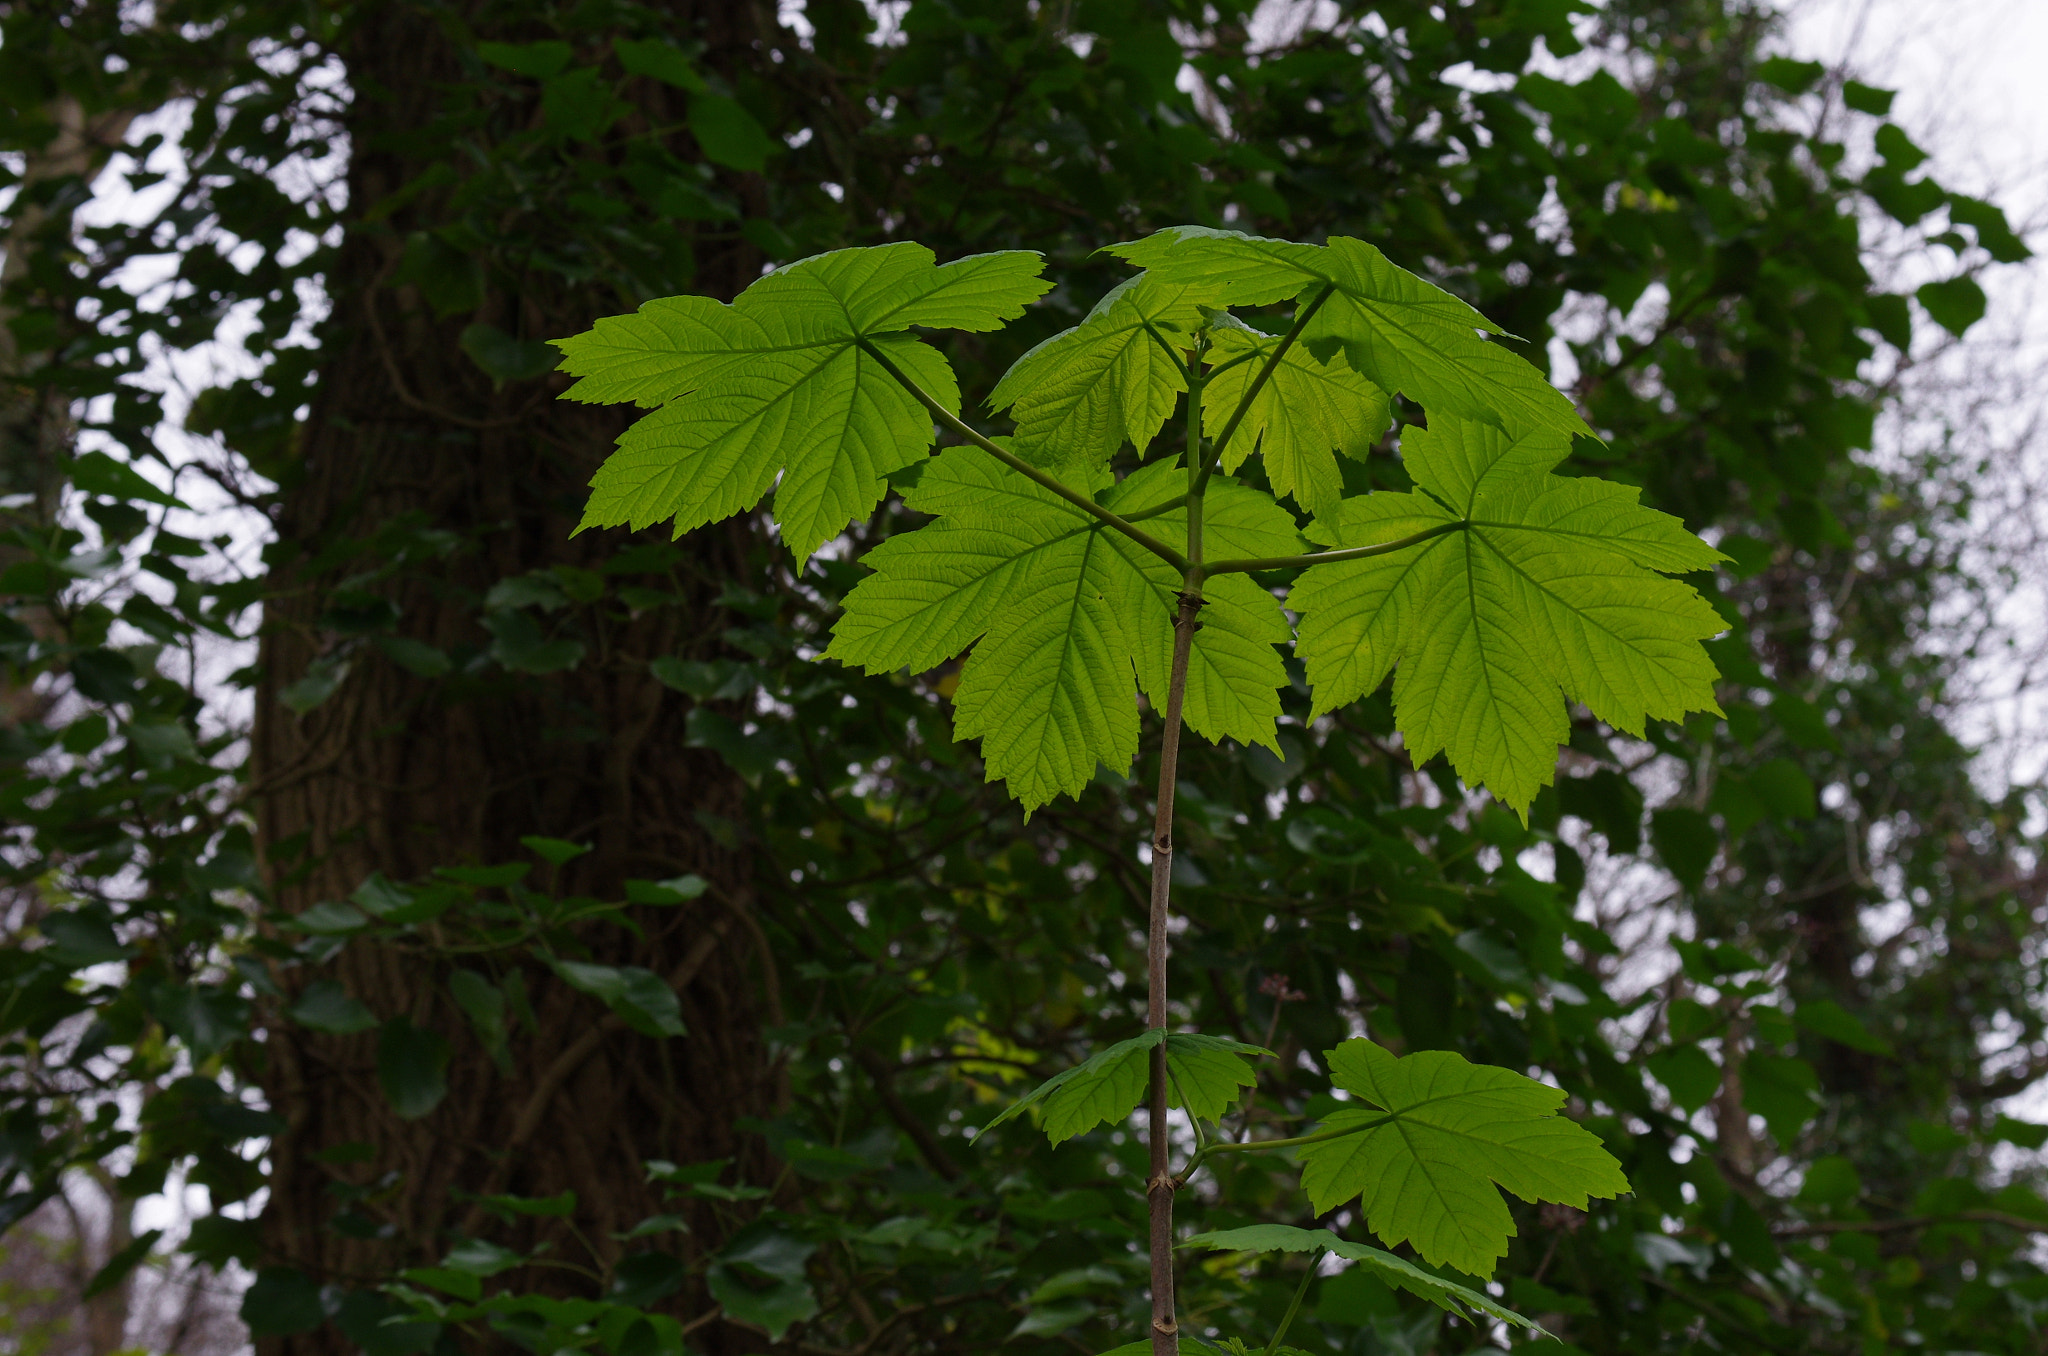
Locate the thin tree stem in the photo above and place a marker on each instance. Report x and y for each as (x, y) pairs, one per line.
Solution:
(1159, 1185)
(1160, 1182)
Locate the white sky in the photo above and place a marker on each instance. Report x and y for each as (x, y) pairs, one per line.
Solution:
(1972, 77)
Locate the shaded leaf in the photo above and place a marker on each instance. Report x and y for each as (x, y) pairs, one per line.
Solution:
(641, 998)
(412, 1064)
(282, 1301)
(1825, 1017)
(1955, 303)
(1392, 1270)
(120, 1264)
(327, 1006)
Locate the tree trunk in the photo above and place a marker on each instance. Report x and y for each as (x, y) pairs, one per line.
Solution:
(398, 774)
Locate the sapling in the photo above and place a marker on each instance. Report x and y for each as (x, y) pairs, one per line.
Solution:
(1494, 591)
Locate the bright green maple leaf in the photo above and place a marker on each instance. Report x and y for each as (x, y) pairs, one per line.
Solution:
(1204, 1074)
(1048, 688)
(1234, 673)
(1425, 1165)
(1402, 333)
(784, 385)
(1307, 410)
(1394, 1271)
(1540, 588)
(1114, 378)
(1064, 613)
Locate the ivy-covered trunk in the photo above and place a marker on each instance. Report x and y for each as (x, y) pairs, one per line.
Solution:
(445, 672)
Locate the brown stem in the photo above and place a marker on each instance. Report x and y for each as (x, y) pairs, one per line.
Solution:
(1159, 1185)
(1161, 1182)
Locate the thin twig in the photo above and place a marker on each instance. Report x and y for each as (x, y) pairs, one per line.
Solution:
(1886, 1226)
(921, 1135)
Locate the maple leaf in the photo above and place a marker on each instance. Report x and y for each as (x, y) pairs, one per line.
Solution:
(1063, 613)
(1113, 378)
(1205, 1073)
(1539, 588)
(1307, 411)
(785, 383)
(1402, 333)
(1425, 1165)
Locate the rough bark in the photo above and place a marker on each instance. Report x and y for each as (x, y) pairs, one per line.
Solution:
(400, 775)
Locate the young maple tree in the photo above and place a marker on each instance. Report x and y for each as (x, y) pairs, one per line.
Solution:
(1494, 591)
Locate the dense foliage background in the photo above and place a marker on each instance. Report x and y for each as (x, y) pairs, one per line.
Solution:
(413, 914)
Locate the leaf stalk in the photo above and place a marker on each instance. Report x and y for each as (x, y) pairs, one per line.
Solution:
(954, 424)
(1260, 1145)
(1249, 565)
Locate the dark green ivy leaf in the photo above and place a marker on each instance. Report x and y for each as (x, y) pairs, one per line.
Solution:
(282, 1301)
(484, 1003)
(1825, 1017)
(1898, 149)
(1831, 1180)
(522, 647)
(1688, 1073)
(728, 134)
(1994, 233)
(414, 656)
(412, 1064)
(104, 675)
(645, 1277)
(120, 1264)
(364, 1318)
(1783, 1091)
(540, 59)
(1867, 98)
(760, 1279)
(1793, 77)
(1955, 303)
(662, 61)
(327, 1006)
(81, 937)
(504, 358)
(319, 682)
(554, 851)
(1686, 841)
(641, 998)
(98, 473)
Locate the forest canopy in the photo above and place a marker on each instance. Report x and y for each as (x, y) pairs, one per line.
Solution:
(426, 926)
